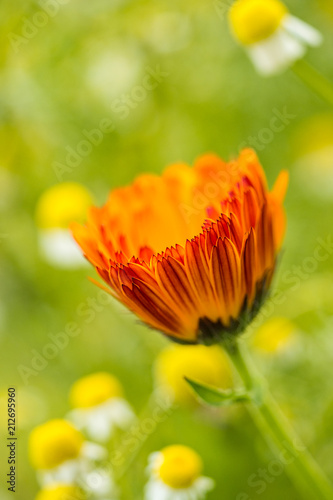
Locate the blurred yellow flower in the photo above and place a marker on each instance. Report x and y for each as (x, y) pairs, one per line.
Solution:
(57, 207)
(274, 335)
(180, 466)
(62, 204)
(272, 37)
(60, 492)
(255, 20)
(208, 365)
(95, 389)
(53, 443)
(175, 473)
(99, 406)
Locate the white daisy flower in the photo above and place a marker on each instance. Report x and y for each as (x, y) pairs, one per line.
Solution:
(100, 484)
(273, 38)
(99, 406)
(57, 208)
(60, 454)
(175, 474)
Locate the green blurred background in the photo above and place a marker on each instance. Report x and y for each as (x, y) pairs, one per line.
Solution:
(64, 79)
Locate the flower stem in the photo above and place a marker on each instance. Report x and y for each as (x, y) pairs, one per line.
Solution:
(314, 80)
(291, 453)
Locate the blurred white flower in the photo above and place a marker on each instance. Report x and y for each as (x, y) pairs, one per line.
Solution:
(100, 484)
(114, 71)
(99, 406)
(272, 38)
(60, 454)
(59, 249)
(57, 207)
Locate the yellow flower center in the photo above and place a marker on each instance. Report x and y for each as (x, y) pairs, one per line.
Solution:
(62, 204)
(254, 20)
(60, 493)
(95, 389)
(206, 364)
(274, 335)
(180, 466)
(53, 443)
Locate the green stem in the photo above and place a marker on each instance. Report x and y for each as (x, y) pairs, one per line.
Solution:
(299, 463)
(314, 80)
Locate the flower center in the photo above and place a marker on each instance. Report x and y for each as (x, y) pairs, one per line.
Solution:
(180, 466)
(62, 204)
(95, 389)
(60, 493)
(53, 443)
(255, 20)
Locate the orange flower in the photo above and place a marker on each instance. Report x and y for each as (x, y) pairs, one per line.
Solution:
(191, 252)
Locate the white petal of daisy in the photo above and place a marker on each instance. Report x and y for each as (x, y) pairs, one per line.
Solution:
(92, 421)
(120, 412)
(72, 471)
(100, 483)
(93, 451)
(276, 53)
(157, 490)
(306, 33)
(99, 427)
(58, 247)
(66, 473)
(99, 421)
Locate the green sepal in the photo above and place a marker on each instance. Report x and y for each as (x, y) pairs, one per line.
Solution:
(218, 397)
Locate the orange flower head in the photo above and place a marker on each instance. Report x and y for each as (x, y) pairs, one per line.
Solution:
(191, 252)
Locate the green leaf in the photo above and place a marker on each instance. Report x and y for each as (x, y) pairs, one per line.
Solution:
(217, 397)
